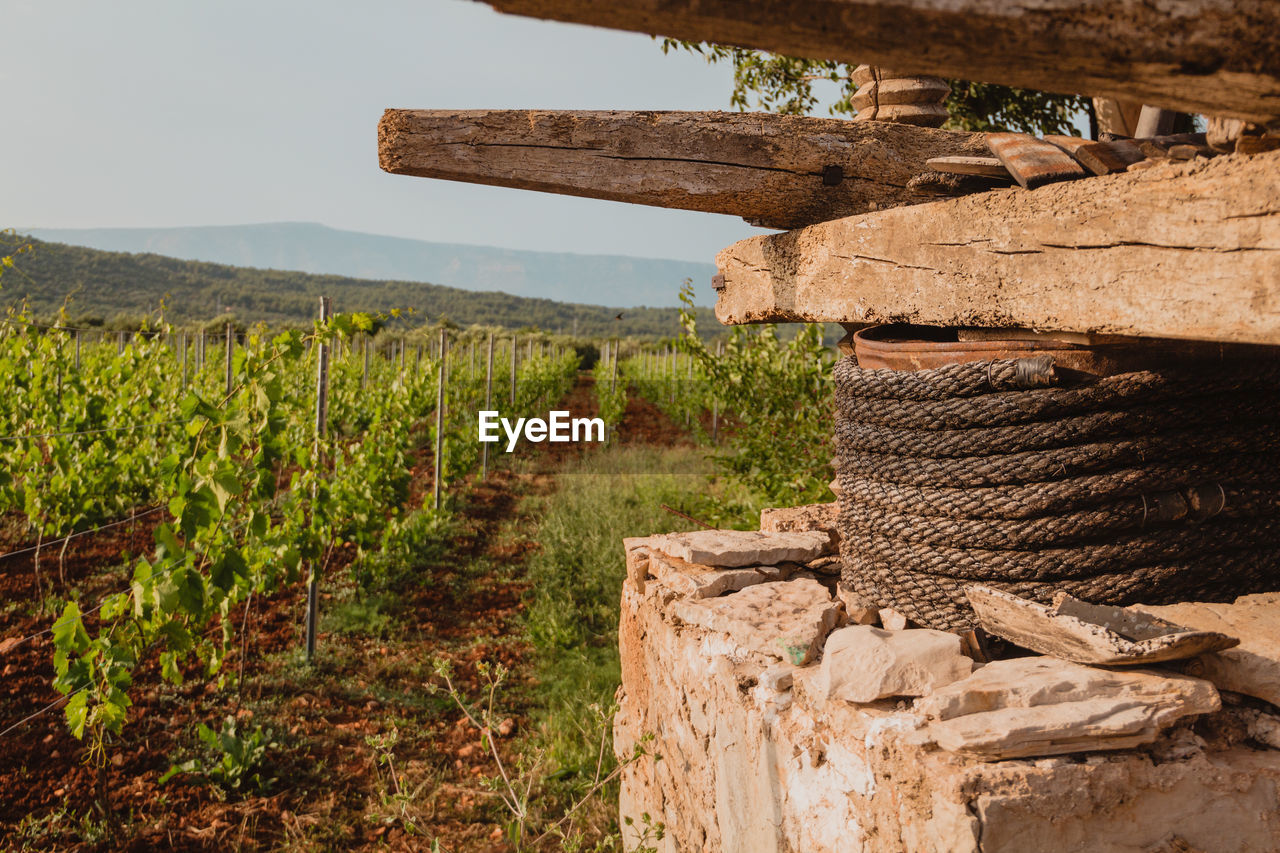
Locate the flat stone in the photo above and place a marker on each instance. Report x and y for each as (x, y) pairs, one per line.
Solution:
(892, 619)
(738, 548)
(1077, 631)
(692, 580)
(822, 518)
(637, 551)
(1253, 667)
(778, 677)
(787, 620)
(861, 611)
(862, 664)
(1037, 706)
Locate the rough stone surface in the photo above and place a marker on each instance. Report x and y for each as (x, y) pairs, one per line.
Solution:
(863, 664)
(892, 619)
(1253, 667)
(860, 611)
(784, 619)
(749, 768)
(738, 548)
(1045, 706)
(799, 519)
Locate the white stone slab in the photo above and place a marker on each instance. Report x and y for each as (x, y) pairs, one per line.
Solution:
(1044, 706)
(738, 548)
(862, 664)
(787, 620)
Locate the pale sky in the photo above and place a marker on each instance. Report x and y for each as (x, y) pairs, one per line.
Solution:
(150, 113)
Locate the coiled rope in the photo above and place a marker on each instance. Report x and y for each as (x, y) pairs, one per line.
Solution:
(1151, 486)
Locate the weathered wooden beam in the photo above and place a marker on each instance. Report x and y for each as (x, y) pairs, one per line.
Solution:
(772, 170)
(1218, 57)
(1181, 250)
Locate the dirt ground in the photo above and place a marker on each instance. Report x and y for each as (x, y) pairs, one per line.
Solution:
(374, 661)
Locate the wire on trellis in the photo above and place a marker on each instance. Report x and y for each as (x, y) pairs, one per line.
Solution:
(51, 542)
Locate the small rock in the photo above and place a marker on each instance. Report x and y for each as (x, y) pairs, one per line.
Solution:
(506, 727)
(778, 677)
(700, 581)
(783, 619)
(1044, 706)
(467, 751)
(736, 548)
(892, 620)
(861, 611)
(820, 518)
(862, 664)
(1253, 667)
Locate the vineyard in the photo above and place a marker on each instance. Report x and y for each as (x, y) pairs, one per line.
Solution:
(204, 527)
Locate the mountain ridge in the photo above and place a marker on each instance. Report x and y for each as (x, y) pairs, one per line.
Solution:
(119, 288)
(321, 250)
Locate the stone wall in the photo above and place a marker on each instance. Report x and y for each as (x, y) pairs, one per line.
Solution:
(724, 668)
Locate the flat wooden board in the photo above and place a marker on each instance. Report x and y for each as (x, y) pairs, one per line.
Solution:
(1033, 162)
(1105, 158)
(1182, 250)
(1199, 56)
(772, 170)
(985, 167)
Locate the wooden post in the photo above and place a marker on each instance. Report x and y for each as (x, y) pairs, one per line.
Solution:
(182, 342)
(77, 349)
(322, 419)
(231, 348)
(613, 381)
(439, 418)
(715, 400)
(488, 402)
(364, 377)
(514, 347)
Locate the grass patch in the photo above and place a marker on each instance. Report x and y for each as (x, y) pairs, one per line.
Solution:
(576, 585)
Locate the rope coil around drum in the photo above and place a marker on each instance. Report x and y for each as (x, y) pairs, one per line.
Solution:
(1148, 486)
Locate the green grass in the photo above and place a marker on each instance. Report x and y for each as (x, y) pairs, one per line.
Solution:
(576, 583)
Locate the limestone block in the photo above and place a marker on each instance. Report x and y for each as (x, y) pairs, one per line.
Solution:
(861, 611)
(892, 619)
(778, 677)
(1253, 667)
(862, 664)
(637, 551)
(691, 580)
(787, 620)
(737, 548)
(1044, 706)
(822, 518)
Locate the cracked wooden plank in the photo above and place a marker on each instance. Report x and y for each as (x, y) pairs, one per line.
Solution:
(772, 170)
(1181, 250)
(1199, 56)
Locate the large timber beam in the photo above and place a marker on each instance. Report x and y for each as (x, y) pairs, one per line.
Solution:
(1181, 250)
(1218, 57)
(772, 170)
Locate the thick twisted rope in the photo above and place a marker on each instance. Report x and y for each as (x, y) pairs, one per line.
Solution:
(1139, 486)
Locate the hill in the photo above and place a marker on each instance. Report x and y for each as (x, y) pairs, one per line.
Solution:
(119, 287)
(308, 247)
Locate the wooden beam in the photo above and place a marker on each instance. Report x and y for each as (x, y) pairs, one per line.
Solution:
(1218, 57)
(1181, 250)
(772, 170)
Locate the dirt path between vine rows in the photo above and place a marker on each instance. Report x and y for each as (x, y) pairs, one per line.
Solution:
(328, 789)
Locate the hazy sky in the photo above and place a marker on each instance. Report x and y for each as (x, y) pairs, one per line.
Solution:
(177, 112)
